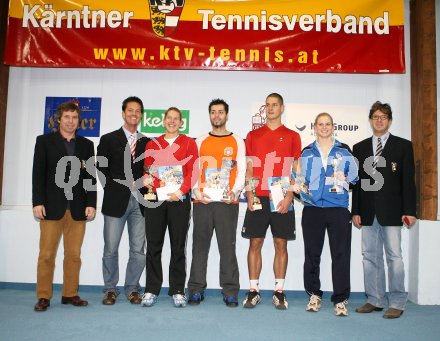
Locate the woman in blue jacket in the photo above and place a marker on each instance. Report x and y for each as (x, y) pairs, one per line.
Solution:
(328, 168)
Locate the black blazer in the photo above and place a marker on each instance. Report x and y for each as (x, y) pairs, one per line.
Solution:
(397, 196)
(49, 149)
(116, 195)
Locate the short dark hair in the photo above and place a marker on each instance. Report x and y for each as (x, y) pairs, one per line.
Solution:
(385, 108)
(132, 99)
(219, 101)
(276, 95)
(66, 106)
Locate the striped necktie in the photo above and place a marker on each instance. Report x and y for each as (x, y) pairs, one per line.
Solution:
(378, 153)
(132, 146)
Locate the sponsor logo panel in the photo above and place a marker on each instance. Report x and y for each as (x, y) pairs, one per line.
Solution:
(90, 114)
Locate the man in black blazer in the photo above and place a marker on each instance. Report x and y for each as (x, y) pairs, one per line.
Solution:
(121, 151)
(63, 198)
(384, 199)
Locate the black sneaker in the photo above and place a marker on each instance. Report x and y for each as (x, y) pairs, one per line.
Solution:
(196, 298)
(252, 299)
(230, 301)
(279, 300)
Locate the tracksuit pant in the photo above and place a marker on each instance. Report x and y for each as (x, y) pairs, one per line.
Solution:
(174, 216)
(337, 222)
(223, 219)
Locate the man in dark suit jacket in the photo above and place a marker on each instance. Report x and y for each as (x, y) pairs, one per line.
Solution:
(123, 150)
(63, 198)
(384, 199)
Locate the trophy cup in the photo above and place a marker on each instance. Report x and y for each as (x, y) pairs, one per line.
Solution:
(149, 179)
(252, 183)
(227, 166)
(336, 188)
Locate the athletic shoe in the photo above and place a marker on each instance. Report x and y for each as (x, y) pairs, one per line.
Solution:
(279, 300)
(252, 299)
(149, 299)
(179, 300)
(230, 301)
(314, 303)
(341, 308)
(196, 298)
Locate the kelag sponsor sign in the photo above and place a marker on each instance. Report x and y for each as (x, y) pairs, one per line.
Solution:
(152, 121)
(90, 114)
(354, 36)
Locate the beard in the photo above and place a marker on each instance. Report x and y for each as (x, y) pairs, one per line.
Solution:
(219, 124)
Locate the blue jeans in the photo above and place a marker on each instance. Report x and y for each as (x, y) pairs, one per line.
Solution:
(113, 228)
(375, 239)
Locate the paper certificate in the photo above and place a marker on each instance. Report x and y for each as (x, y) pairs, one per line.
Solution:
(278, 187)
(162, 192)
(276, 192)
(215, 194)
(216, 183)
(171, 179)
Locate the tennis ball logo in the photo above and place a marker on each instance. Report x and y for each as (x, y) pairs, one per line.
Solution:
(165, 16)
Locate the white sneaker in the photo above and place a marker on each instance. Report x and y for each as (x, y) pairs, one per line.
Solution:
(314, 303)
(149, 299)
(341, 308)
(179, 300)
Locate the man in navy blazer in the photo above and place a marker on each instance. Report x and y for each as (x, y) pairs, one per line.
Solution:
(122, 151)
(384, 199)
(63, 199)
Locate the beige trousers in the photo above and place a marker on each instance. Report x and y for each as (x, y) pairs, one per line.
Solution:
(50, 236)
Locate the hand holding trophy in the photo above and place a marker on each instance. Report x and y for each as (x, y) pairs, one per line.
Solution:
(252, 184)
(148, 182)
(335, 164)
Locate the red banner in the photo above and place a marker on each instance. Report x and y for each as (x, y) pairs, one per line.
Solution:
(353, 36)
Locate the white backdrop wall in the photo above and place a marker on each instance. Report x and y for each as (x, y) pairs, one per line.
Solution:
(28, 88)
(159, 89)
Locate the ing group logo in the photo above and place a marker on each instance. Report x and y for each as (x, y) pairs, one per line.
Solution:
(259, 119)
(165, 16)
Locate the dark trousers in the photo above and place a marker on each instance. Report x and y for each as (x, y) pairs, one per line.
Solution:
(222, 218)
(337, 222)
(175, 216)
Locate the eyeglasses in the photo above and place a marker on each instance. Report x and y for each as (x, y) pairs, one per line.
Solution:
(380, 118)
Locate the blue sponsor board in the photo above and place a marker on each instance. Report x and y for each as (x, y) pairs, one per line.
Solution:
(90, 114)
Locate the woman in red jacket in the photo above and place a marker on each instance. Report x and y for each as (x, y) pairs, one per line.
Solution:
(169, 161)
